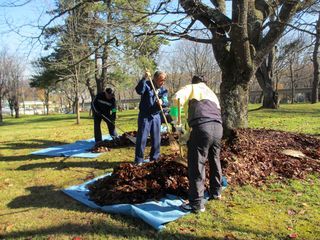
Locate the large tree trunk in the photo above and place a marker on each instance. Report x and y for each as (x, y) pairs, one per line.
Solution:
(47, 101)
(234, 99)
(292, 82)
(77, 98)
(264, 76)
(10, 101)
(91, 91)
(270, 99)
(315, 83)
(16, 109)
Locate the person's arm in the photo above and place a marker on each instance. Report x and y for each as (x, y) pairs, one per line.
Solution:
(183, 94)
(94, 105)
(142, 85)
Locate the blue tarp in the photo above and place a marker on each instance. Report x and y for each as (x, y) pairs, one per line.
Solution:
(155, 213)
(77, 149)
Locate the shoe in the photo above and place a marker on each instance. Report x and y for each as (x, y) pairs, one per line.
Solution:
(215, 197)
(140, 163)
(187, 208)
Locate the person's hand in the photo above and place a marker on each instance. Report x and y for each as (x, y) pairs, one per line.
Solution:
(147, 75)
(179, 129)
(160, 102)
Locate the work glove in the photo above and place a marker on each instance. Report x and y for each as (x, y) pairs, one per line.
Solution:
(179, 129)
(147, 75)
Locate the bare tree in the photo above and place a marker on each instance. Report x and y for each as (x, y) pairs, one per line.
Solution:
(188, 59)
(4, 67)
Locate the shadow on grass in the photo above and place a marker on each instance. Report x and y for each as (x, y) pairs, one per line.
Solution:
(31, 143)
(45, 196)
(255, 109)
(41, 119)
(20, 158)
(137, 230)
(63, 165)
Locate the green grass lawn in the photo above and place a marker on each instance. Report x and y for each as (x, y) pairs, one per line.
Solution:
(32, 205)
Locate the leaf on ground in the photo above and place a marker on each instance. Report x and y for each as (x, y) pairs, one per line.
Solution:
(76, 238)
(9, 227)
(229, 237)
(292, 212)
(293, 235)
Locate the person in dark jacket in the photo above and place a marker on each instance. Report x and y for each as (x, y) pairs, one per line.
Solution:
(104, 108)
(202, 109)
(149, 121)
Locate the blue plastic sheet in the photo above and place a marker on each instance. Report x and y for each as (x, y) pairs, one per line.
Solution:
(155, 213)
(77, 149)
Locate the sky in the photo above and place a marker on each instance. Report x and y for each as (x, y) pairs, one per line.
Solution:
(19, 31)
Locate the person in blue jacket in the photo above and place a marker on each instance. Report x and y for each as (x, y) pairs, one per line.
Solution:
(149, 120)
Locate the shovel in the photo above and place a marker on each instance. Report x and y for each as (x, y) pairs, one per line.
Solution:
(173, 143)
(132, 139)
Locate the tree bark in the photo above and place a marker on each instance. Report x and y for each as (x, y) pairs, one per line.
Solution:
(47, 92)
(315, 82)
(16, 108)
(292, 82)
(270, 99)
(234, 99)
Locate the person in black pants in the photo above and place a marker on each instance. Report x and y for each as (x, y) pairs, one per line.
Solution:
(202, 108)
(104, 108)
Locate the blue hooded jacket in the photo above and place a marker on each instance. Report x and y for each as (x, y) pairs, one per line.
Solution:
(148, 105)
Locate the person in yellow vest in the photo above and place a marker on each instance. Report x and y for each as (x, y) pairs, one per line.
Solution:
(203, 114)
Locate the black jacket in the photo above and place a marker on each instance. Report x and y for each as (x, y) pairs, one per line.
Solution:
(102, 105)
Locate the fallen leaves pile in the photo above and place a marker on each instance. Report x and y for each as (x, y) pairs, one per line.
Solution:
(250, 156)
(136, 184)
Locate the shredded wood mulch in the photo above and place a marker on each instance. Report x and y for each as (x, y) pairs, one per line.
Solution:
(249, 156)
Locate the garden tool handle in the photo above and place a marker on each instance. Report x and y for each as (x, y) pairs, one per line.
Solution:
(161, 108)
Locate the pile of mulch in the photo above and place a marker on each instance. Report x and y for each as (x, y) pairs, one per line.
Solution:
(123, 141)
(250, 156)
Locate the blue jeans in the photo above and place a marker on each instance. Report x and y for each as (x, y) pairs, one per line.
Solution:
(148, 125)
